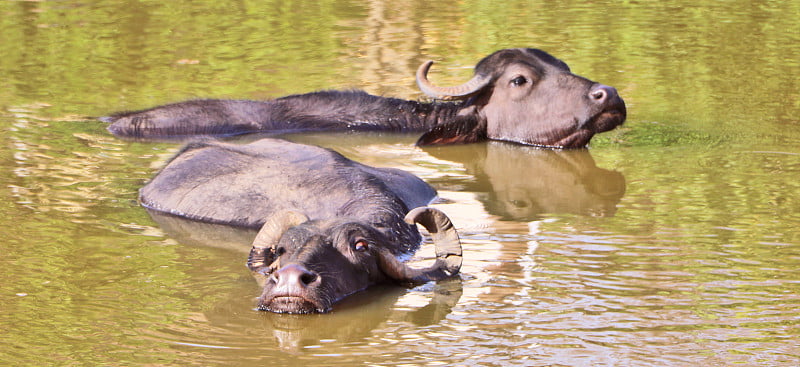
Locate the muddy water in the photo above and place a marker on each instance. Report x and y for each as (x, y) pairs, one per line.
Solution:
(672, 241)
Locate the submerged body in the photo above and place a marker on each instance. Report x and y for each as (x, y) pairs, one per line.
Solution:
(329, 226)
(521, 95)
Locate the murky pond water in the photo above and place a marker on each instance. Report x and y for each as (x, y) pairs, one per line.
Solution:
(674, 240)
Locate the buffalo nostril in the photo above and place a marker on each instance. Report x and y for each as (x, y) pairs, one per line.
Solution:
(294, 275)
(602, 93)
(598, 94)
(308, 278)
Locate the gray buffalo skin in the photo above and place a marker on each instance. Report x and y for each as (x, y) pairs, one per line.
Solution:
(520, 95)
(329, 226)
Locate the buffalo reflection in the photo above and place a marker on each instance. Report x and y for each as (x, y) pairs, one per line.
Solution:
(521, 183)
(357, 316)
(353, 319)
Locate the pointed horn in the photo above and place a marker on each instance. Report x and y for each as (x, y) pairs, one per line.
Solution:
(448, 249)
(462, 91)
(263, 252)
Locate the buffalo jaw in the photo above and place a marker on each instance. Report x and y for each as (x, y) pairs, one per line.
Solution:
(448, 250)
(567, 122)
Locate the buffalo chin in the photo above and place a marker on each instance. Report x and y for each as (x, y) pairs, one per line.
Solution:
(564, 140)
(580, 138)
(577, 139)
(291, 305)
(609, 120)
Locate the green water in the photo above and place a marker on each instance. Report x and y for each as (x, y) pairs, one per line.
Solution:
(673, 240)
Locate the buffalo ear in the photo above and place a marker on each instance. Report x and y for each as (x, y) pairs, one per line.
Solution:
(461, 130)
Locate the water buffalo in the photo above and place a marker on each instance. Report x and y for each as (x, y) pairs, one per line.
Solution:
(519, 95)
(329, 226)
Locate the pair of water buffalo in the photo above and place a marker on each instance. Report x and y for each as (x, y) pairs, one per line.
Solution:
(330, 226)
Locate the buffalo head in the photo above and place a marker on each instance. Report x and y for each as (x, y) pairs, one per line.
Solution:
(525, 96)
(306, 266)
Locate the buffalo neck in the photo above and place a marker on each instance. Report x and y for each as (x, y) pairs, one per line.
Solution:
(354, 110)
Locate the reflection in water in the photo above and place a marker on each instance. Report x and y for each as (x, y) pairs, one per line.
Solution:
(195, 233)
(354, 318)
(359, 315)
(521, 183)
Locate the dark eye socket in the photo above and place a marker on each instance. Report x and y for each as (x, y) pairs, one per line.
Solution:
(520, 80)
(360, 245)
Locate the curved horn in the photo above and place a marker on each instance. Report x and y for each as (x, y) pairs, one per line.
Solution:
(448, 249)
(445, 237)
(263, 252)
(462, 91)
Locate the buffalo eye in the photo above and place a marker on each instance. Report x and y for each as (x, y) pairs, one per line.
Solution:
(518, 81)
(360, 245)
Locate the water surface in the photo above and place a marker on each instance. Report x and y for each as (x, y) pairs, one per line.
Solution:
(673, 240)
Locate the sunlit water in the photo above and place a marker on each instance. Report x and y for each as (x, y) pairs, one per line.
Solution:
(672, 241)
